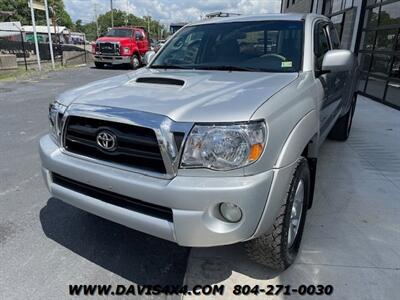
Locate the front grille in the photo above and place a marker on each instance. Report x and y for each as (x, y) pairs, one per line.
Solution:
(114, 198)
(136, 146)
(108, 48)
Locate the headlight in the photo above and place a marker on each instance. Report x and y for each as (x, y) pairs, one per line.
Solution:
(224, 147)
(56, 112)
(127, 50)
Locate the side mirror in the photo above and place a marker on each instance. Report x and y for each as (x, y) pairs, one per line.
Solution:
(337, 61)
(148, 57)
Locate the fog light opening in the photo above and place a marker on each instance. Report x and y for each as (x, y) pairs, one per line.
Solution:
(230, 212)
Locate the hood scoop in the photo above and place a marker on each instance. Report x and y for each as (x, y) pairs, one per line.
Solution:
(160, 80)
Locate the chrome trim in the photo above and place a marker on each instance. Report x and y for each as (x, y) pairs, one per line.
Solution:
(117, 48)
(162, 126)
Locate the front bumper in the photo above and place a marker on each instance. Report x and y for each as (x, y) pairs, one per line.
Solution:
(112, 59)
(193, 200)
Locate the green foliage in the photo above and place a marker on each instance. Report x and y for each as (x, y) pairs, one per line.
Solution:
(22, 12)
(121, 18)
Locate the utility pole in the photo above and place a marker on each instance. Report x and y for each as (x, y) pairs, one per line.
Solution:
(35, 36)
(54, 20)
(97, 22)
(49, 33)
(127, 12)
(148, 25)
(112, 13)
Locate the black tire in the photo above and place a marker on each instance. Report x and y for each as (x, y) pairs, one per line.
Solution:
(341, 130)
(99, 65)
(135, 62)
(272, 249)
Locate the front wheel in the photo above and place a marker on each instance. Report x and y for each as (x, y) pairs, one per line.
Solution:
(99, 65)
(278, 248)
(135, 62)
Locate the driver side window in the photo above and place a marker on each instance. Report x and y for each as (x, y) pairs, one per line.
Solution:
(186, 49)
(321, 45)
(138, 35)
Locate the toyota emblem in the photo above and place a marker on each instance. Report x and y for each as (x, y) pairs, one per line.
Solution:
(106, 140)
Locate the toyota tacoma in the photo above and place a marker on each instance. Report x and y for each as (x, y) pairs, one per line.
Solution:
(215, 141)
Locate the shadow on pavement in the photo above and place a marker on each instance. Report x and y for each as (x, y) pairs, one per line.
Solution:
(217, 264)
(133, 255)
(113, 67)
(142, 258)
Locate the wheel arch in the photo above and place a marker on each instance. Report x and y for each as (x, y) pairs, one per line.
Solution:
(303, 142)
(303, 137)
(312, 159)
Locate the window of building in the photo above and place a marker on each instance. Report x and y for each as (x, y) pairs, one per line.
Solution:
(397, 44)
(393, 93)
(368, 40)
(348, 4)
(385, 39)
(338, 23)
(372, 15)
(334, 37)
(395, 69)
(365, 62)
(380, 65)
(390, 14)
(380, 52)
(336, 6)
(375, 87)
(362, 81)
(372, 2)
(327, 7)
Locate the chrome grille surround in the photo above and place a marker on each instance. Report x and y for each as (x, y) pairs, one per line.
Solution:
(163, 127)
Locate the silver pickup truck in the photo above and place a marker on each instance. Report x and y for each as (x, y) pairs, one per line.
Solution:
(216, 141)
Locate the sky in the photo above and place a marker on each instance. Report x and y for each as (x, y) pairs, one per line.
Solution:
(168, 11)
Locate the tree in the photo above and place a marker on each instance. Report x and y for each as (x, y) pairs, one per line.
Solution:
(78, 26)
(63, 18)
(22, 12)
(121, 18)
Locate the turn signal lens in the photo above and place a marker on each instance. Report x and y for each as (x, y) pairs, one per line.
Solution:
(255, 152)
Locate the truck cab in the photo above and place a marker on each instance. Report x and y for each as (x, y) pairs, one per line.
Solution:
(121, 45)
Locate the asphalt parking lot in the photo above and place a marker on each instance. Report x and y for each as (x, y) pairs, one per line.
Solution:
(351, 240)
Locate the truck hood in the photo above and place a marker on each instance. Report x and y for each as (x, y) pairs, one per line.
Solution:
(111, 39)
(184, 95)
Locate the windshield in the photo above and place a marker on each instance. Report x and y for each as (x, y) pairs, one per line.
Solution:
(265, 46)
(119, 33)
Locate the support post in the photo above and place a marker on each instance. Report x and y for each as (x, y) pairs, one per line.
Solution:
(49, 33)
(35, 35)
(84, 46)
(23, 49)
(112, 13)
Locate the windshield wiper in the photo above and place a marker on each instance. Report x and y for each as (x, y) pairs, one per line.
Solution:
(167, 67)
(226, 68)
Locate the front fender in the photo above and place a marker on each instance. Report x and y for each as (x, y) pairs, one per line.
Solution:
(306, 130)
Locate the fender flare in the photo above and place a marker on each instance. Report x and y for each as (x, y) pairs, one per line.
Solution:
(304, 134)
(305, 131)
